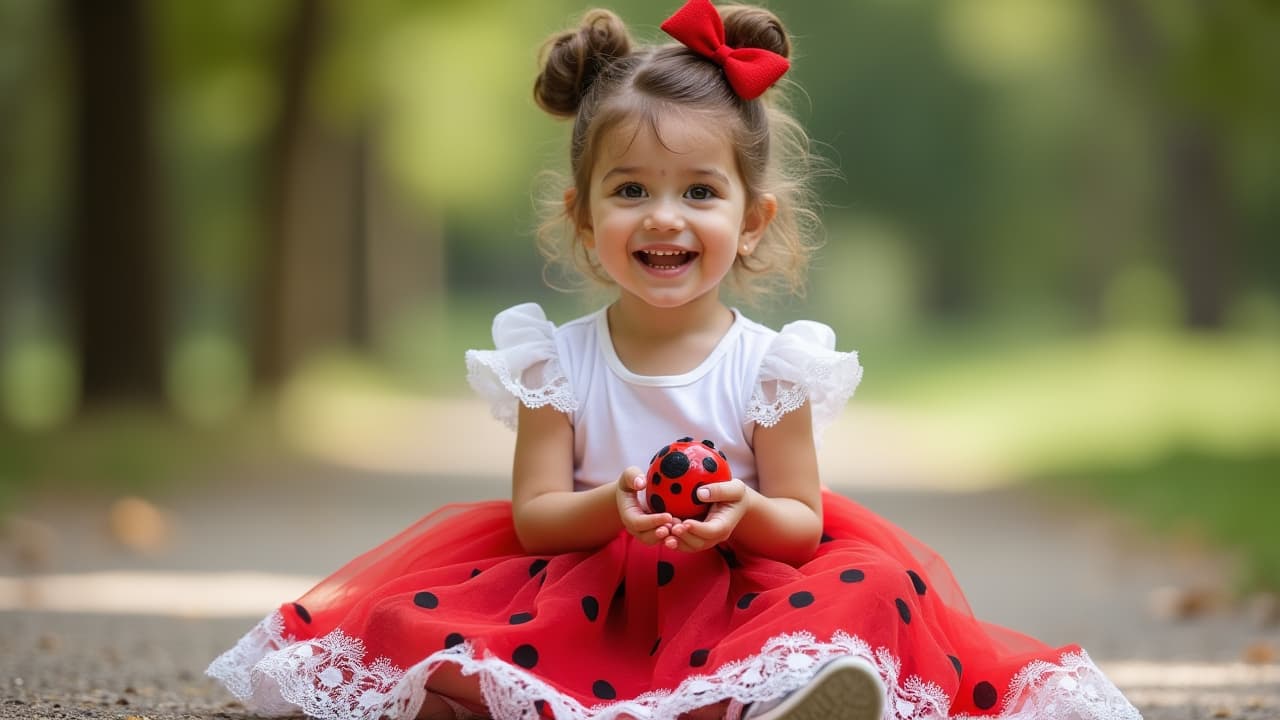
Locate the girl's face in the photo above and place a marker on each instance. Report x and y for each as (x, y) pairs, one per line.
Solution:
(668, 210)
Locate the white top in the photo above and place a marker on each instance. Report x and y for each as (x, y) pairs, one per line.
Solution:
(754, 376)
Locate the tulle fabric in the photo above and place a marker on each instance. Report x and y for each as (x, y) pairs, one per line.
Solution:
(635, 631)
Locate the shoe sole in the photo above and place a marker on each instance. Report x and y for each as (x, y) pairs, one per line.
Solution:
(846, 692)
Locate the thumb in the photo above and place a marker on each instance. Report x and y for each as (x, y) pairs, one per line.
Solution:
(631, 479)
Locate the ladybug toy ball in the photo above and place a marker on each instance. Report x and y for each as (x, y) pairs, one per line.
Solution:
(675, 474)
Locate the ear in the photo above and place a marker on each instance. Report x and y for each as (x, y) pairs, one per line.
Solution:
(755, 221)
(571, 212)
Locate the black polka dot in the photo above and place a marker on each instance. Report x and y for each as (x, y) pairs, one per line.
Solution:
(657, 504)
(685, 439)
(603, 690)
(730, 557)
(744, 602)
(904, 611)
(454, 639)
(675, 464)
(540, 706)
(521, 618)
(699, 658)
(709, 444)
(656, 479)
(722, 455)
(654, 649)
(826, 538)
(302, 613)
(955, 663)
(804, 598)
(916, 582)
(426, 600)
(663, 452)
(666, 571)
(852, 575)
(621, 592)
(591, 608)
(475, 572)
(538, 566)
(676, 488)
(984, 695)
(526, 656)
(709, 465)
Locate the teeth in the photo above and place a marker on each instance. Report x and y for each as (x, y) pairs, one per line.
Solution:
(664, 252)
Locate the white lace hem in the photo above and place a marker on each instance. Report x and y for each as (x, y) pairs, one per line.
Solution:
(326, 678)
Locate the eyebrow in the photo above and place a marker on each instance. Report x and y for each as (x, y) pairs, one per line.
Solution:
(631, 169)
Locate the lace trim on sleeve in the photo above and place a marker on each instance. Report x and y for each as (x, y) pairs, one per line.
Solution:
(524, 367)
(803, 366)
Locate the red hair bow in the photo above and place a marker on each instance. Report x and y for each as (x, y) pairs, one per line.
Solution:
(750, 71)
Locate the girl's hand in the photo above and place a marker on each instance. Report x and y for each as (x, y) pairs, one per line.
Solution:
(730, 500)
(648, 528)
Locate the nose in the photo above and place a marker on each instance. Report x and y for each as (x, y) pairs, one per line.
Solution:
(664, 217)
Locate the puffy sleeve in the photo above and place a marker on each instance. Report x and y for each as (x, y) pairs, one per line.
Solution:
(802, 365)
(523, 367)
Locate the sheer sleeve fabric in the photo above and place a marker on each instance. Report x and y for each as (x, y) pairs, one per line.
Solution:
(802, 365)
(523, 368)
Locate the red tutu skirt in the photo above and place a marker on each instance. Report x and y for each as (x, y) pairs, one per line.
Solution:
(630, 630)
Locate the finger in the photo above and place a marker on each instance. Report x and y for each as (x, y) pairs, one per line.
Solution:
(722, 492)
(631, 479)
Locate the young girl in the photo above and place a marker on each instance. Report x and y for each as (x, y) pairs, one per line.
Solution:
(574, 601)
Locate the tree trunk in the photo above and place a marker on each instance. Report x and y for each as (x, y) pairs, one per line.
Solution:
(117, 265)
(283, 170)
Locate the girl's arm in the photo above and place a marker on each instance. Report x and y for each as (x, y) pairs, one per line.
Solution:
(783, 520)
(550, 517)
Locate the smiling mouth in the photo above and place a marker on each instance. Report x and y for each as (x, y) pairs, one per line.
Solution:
(664, 259)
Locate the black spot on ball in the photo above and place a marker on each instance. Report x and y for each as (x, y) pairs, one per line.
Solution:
(918, 583)
(709, 465)
(955, 663)
(654, 649)
(699, 658)
(662, 453)
(744, 602)
(656, 479)
(802, 599)
(302, 613)
(426, 600)
(526, 656)
(454, 639)
(603, 690)
(709, 444)
(657, 504)
(674, 465)
(852, 575)
(666, 572)
(676, 488)
(521, 618)
(985, 695)
(904, 611)
(538, 566)
(685, 439)
(722, 455)
(591, 608)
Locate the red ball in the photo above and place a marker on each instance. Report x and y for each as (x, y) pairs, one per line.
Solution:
(677, 471)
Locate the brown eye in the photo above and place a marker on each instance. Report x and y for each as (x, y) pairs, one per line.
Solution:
(631, 191)
(700, 192)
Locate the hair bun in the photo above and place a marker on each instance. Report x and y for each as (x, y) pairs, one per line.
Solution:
(746, 26)
(571, 61)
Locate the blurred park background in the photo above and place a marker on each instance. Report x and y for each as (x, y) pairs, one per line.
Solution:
(247, 228)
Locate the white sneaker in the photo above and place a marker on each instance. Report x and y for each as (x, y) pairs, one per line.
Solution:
(846, 688)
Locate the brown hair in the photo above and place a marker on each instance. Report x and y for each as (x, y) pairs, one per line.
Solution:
(595, 75)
